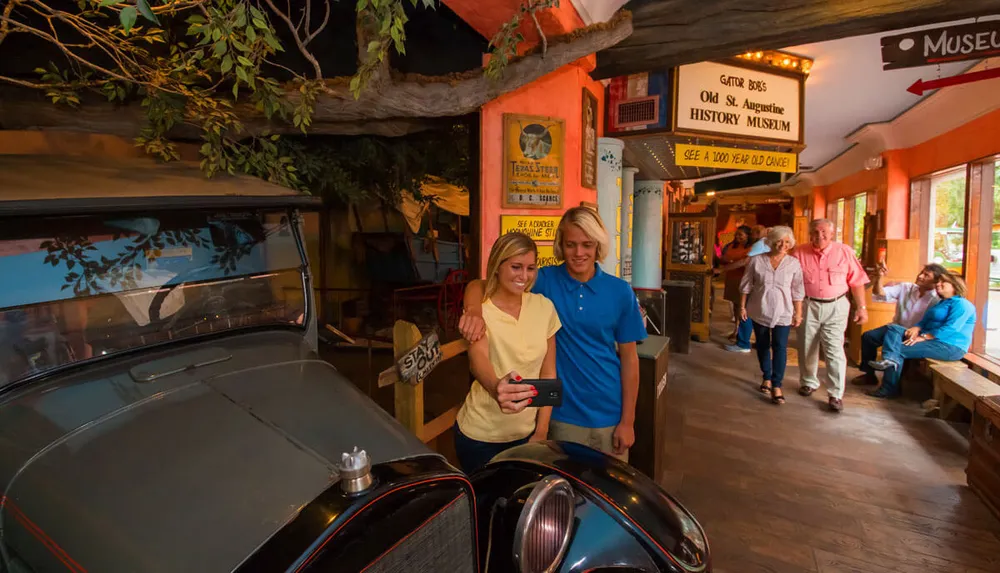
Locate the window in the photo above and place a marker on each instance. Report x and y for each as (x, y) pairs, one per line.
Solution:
(840, 220)
(946, 232)
(860, 203)
(848, 216)
(993, 302)
(92, 286)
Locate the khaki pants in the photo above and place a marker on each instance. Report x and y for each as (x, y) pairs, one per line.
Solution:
(823, 326)
(601, 439)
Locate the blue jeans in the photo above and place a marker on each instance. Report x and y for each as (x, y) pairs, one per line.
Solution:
(772, 351)
(894, 351)
(743, 334)
(870, 343)
(473, 454)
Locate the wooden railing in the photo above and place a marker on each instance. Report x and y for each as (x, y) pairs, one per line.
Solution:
(409, 391)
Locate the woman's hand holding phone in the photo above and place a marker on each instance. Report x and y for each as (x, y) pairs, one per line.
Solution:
(512, 396)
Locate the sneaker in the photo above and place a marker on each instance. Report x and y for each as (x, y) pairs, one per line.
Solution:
(883, 392)
(735, 348)
(882, 365)
(836, 404)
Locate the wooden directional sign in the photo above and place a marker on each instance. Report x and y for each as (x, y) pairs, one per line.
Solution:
(940, 45)
(416, 364)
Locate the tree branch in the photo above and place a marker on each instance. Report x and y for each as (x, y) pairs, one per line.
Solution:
(300, 41)
(410, 102)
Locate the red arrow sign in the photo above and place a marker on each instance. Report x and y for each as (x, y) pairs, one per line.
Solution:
(920, 86)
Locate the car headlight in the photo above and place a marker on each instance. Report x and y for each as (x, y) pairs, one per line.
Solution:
(544, 526)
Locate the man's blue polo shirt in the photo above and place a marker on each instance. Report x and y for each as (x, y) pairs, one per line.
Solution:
(595, 315)
(759, 248)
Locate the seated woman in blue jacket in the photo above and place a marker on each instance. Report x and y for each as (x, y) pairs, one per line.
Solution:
(944, 333)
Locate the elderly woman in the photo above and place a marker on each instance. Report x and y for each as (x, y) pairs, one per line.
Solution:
(944, 333)
(772, 293)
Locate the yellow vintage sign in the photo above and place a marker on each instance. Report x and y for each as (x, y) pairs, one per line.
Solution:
(735, 158)
(533, 161)
(546, 258)
(538, 227)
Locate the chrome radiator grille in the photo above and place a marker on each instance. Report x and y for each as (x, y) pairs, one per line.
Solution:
(443, 543)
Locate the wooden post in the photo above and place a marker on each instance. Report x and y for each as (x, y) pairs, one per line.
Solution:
(409, 395)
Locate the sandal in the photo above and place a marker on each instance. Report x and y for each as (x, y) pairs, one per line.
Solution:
(765, 388)
(778, 399)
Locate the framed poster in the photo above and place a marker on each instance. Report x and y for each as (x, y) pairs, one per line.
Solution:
(533, 174)
(588, 142)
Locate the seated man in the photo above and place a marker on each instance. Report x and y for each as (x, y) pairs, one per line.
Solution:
(912, 301)
(944, 333)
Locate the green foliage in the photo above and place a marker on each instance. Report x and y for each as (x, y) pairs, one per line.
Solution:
(205, 65)
(349, 169)
(503, 45)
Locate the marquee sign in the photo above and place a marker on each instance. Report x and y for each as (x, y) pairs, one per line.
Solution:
(735, 158)
(735, 101)
(940, 45)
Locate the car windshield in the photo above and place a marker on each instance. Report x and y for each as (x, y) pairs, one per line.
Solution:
(81, 287)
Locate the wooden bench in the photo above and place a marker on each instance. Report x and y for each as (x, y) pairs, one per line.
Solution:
(955, 383)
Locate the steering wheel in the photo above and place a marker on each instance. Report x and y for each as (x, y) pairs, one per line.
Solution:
(214, 301)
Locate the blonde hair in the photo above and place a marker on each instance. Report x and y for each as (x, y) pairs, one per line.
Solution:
(779, 232)
(506, 247)
(956, 282)
(588, 221)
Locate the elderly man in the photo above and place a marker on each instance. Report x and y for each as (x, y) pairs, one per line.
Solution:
(912, 300)
(830, 271)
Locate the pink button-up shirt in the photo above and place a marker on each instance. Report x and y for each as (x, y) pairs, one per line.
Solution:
(831, 272)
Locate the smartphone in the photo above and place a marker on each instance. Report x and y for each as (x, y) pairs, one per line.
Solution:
(549, 392)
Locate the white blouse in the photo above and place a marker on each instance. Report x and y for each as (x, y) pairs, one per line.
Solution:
(771, 291)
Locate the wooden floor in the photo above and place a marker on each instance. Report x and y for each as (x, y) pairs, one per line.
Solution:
(795, 488)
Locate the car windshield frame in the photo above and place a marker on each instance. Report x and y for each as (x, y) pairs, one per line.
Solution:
(259, 248)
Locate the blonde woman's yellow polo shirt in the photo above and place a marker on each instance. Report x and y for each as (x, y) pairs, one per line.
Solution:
(517, 344)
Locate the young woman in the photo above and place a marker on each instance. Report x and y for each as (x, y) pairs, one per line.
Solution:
(597, 360)
(772, 293)
(944, 333)
(519, 343)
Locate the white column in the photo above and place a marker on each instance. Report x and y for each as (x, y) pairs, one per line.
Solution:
(628, 185)
(609, 198)
(647, 228)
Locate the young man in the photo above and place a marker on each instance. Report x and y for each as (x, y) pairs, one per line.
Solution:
(596, 356)
(912, 301)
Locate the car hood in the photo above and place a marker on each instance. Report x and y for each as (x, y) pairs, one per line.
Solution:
(190, 472)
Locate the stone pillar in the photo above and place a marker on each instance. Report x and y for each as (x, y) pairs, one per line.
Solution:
(609, 198)
(647, 229)
(628, 184)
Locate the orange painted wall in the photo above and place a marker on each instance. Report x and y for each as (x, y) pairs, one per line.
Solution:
(488, 16)
(559, 94)
(849, 186)
(974, 140)
(969, 142)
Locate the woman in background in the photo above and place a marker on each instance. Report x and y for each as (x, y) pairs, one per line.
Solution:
(519, 342)
(733, 252)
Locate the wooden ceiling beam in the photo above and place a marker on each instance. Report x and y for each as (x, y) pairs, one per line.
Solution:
(669, 33)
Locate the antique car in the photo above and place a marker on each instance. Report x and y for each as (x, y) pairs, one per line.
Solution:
(163, 407)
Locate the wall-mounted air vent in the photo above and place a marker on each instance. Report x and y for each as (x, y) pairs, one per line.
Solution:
(639, 111)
